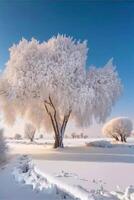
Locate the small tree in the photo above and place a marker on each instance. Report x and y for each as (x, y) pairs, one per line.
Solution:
(30, 131)
(73, 135)
(17, 136)
(3, 147)
(85, 136)
(82, 135)
(78, 136)
(119, 128)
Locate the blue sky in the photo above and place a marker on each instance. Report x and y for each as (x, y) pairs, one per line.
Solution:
(107, 25)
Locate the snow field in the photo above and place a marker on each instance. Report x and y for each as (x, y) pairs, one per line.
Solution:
(40, 179)
(84, 169)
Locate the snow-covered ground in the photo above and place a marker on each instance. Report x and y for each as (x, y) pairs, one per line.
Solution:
(12, 190)
(79, 169)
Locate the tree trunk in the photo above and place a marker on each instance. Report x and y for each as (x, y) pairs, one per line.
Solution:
(56, 143)
(59, 130)
(115, 137)
(60, 135)
(124, 139)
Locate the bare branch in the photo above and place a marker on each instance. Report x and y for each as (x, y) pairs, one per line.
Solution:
(55, 118)
(52, 120)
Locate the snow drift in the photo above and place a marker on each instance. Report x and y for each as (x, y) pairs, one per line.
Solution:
(27, 173)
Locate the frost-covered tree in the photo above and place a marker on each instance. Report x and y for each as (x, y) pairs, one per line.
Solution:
(48, 83)
(73, 135)
(118, 128)
(3, 147)
(29, 131)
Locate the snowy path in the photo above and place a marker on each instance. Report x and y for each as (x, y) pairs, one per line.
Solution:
(11, 190)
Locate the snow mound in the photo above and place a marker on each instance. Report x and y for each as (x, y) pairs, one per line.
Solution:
(100, 143)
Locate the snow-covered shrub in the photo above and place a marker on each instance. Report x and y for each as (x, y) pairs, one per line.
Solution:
(3, 147)
(49, 83)
(118, 128)
(17, 136)
(30, 131)
(101, 143)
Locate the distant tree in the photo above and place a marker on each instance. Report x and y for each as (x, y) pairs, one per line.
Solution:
(17, 136)
(49, 83)
(118, 128)
(30, 131)
(85, 136)
(73, 135)
(41, 136)
(3, 147)
(82, 135)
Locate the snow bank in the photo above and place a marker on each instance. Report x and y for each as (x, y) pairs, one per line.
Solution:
(26, 172)
(108, 144)
(100, 143)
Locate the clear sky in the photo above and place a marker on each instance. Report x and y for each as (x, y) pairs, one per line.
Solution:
(107, 25)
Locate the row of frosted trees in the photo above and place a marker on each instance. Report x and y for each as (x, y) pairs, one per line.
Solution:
(118, 128)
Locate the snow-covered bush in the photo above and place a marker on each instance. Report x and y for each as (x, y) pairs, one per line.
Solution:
(101, 143)
(17, 136)
(3, 147)
(30, 131)
(118, 128)
(48, 83)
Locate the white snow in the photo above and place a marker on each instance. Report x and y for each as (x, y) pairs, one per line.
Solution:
(81, 170)
(12, 190)
(93, 172)
(24, 172)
